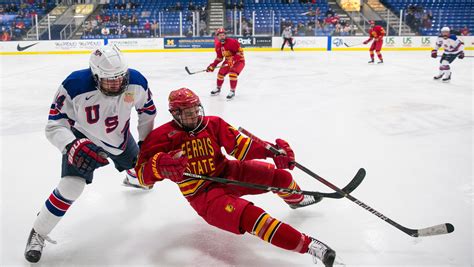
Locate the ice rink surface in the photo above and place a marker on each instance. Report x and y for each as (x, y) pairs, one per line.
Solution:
(412, 134)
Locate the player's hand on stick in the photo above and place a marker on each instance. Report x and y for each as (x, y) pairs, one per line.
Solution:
(170, 165)
(210, 68)
(286, 158)
(85, 155)
(366, 42)
(434, 53)
(230, 63)
(461, 55)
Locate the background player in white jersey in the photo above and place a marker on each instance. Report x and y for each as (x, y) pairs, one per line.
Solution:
(89, 122)
(453, 48)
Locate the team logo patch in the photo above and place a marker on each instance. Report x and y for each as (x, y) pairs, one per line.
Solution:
(129, 98)
(229, 208)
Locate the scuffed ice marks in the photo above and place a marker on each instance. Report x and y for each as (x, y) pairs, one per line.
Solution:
(411, 118)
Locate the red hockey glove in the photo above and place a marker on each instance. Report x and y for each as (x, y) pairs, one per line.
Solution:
(85, 156)
(230, 62)
(169, 165)
(366, 41)
(210, 68)
(286, 159)
(461, 55)
(434, 53)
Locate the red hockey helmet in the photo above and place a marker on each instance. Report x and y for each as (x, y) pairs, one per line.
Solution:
(223, 37)
(186, 108)
(183, 98)
(219, 31)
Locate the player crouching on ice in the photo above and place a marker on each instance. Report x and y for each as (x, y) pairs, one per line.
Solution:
(89, 122)
(453, 48)
(230, 50)
(192, 143)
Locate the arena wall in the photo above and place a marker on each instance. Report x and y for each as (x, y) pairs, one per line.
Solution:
(331, 43)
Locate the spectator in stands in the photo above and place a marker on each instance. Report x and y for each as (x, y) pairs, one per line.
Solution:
(465, 31)
(241, 5)
(191, 6)
(330, 13)
(426, 22)
(134, 20)
(147, 27)
(410, 18)
(309, 31)
(154, 28)
(6, 36)
(178, 7)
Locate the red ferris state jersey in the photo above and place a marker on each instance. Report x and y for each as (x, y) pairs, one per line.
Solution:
(377, 32)
(230, 49)
(203, 150)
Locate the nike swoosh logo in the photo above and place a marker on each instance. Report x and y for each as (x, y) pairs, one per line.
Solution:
(89, 97)
(19, 48)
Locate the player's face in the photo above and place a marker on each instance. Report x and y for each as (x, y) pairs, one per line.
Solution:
(190, 117)
(111, 85)
(221, 37)
(445, 34)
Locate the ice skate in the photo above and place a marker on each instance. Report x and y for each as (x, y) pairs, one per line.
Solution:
(131, 180)
(231, 95)
(35, 245)
(371, 61)
(447, 79)
(307, 201)
(437, 77)
(216, 91)
(380, 61)
(321, 251)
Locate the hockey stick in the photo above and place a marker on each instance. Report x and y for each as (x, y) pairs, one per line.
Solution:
(440, 229)
(352, 45)
(191, 73)
(456, 57)
(348, 188)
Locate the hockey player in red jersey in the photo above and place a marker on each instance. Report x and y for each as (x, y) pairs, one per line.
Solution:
(192, 143)
(230, 50)
(376, 33)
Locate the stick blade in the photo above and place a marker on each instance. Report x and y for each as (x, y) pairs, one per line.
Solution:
(440, 229)
(187, 70)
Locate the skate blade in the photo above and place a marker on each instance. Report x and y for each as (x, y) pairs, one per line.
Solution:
(137, 186)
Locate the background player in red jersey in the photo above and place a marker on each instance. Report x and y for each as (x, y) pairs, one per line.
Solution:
(230, 50)
(192, 142)
(376, 33)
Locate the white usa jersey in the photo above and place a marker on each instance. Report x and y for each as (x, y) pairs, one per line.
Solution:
(451, 45)
(105, 120)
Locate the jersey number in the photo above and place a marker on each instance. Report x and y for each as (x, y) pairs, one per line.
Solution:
(92, 115)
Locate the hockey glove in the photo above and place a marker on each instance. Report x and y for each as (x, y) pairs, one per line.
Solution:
(286, 158)
(210, 68)
(366, 41)
(85, 156)
(169, 165)
(230, 63)
(461, 55)
(434, 53)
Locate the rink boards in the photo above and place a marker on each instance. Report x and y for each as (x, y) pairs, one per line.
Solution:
(204, 44)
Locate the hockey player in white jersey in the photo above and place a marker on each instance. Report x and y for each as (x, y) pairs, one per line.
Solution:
(89, 123)
(453, 48)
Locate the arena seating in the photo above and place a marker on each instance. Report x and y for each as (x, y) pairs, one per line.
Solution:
(17, 18)
(452, 13)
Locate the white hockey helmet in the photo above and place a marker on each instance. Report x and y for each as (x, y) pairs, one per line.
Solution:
(110, 70)
(445, 29)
